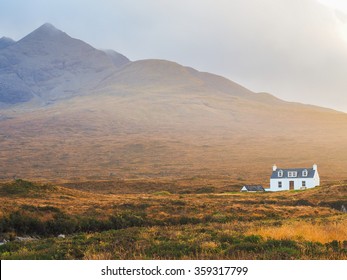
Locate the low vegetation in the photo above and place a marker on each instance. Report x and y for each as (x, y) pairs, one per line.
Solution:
(204, 222)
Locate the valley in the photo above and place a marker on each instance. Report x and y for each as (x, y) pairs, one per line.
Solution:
(145, 160)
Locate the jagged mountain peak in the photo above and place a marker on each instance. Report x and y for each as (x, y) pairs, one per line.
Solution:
(49, 65)
(46, 31)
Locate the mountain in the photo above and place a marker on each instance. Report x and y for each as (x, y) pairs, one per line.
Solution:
(5, 42)
(71, 112)
(49, 65)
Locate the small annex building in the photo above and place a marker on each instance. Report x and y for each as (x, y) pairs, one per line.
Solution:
(294, 178)
(252, 188)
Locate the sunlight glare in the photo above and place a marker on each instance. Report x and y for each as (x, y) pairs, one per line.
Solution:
(339, 6)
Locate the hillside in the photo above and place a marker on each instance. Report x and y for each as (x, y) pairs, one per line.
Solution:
(71, 112)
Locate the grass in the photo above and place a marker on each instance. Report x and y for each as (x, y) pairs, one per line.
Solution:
(323, 230)
(164, 224)
(172, 242)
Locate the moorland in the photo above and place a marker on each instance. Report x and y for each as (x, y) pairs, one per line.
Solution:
(170, 220)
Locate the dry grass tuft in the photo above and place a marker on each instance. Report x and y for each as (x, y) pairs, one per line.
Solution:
(323, 231)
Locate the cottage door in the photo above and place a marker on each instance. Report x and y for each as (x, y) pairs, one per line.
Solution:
(291, 185)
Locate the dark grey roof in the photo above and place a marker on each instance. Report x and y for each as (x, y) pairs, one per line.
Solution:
(257, 188)
(310, 173)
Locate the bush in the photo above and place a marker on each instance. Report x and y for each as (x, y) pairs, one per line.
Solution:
(256, 239)
(23, 224)
(334, 245)
(247, 247)
(273, 243)
(226, 238)
(44, 209)
(284, 253)
(178, 202)
(21, 187)
(205, 190)
(303, 202)
(337, 205)
(127, 219)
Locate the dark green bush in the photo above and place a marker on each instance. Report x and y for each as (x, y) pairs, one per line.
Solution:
(127, 219)
(334, 245)
(21, 187)
(256, 239)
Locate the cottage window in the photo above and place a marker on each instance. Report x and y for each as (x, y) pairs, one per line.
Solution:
(280, 184)
(280, 173)
(304, 183)
(304, 173)
(292, 174)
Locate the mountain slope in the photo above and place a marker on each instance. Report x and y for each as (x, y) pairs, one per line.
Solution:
(155, 74)
(72, 112)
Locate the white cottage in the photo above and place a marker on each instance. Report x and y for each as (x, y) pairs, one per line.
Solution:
(294, 179)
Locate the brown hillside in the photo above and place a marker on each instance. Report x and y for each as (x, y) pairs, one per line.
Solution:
(150, 119)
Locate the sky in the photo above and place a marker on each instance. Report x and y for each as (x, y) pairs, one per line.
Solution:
(293, 49)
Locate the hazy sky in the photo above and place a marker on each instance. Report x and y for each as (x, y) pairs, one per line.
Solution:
(294, 49)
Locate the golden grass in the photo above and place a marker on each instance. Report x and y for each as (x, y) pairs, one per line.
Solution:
(323, 231)
(208, 221)
(218, 206)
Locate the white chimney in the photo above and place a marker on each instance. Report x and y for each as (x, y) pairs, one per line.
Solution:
(315, 167)
(274, 167)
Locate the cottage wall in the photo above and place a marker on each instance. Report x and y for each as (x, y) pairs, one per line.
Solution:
(310, 182)
(316, 178)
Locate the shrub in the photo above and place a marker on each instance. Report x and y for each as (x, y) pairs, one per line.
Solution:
(205, 190)
(303, 202)
(178, 202)
(127, 219)
(337, 205)
(24, 224)
(21, 187)
(334, 245)
(247, 247)
(256, 239)
(32, 208)
(284, 253)
(273, 243)
(227, 238)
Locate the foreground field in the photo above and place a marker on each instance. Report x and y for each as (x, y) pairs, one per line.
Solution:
(146, 220)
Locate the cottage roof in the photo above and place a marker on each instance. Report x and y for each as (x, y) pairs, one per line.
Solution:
(299, 173)
(257, 188)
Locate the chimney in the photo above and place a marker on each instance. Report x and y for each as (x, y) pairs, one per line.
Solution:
(315, 167)
(274, 167)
